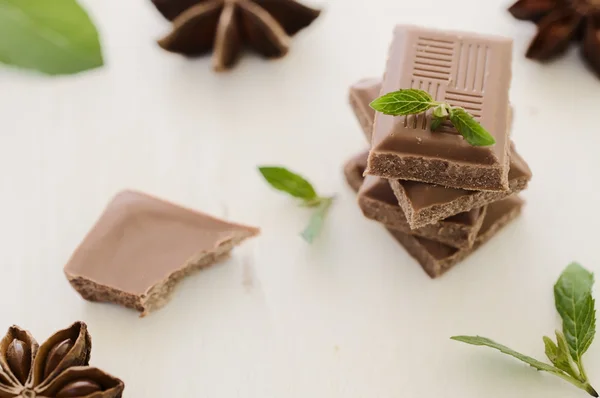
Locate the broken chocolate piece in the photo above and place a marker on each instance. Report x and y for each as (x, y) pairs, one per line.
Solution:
(59, 368)
(424, 203)
(378, 202)
(437, 258)
(362, 93)
(354, 170)
(200, 26)
(142, 246)
(466, 70)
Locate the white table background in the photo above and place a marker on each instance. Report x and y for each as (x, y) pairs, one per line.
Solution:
(353, 315)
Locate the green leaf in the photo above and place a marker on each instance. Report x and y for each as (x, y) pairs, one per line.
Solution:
(470, 129)
(551, 349)
(404, 102)
(441, 111)
(560, 355)
(482, 341)
(317, 220)
(50, 36)
(436, 123)
(284, 180)
(575, 304)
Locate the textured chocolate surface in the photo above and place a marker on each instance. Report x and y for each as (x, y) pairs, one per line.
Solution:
(437, 258)
(378, 202)
(142, 246)
(466, 70)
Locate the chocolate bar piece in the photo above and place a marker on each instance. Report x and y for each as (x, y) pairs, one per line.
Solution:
(377, 202)
(465, 69)
(437, 258)
(361, 94)
(354, 170)
(424, 203)
(142, 246)
(365, 91)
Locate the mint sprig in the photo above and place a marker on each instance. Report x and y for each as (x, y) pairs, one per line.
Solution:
(414, 101)
(297, 186)
(575, 304)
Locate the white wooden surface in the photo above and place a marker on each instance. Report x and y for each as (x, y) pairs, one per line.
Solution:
(352, 316)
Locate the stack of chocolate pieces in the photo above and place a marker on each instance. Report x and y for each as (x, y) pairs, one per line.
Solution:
(440, 197)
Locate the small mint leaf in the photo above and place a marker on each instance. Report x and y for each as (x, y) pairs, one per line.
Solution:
(470, 129)
(560, 356)
(551, 349)
(404, 102)
(483, 341)
(436, 123)
(575, 304)
(317, 220)
(284, 180)
(441, 111)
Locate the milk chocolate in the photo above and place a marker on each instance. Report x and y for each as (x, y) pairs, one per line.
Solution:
(361, 94)
(437, 258)
(141, 247)
(424, 203)
(465, 69)
(378, 202)
(365, 91)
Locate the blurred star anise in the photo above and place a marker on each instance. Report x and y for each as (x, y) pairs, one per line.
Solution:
(57, 369)
(559, 22)
(222, 26)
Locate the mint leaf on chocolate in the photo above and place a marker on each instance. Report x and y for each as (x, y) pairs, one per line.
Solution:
(52, 37)
(412, 102)
(575, 304)
(404, 102)
(470, 129)
(297, 186)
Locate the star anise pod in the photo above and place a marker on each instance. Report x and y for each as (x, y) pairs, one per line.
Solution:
(222, 26)
(56, 369)
(560, 22)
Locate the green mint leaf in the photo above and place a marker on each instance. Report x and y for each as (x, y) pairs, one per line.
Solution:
(404, 102)
(54, 37)
(575, 304)
(541, 366)
(551, 350)
(482, 341)
(441, 111)
(470, 129)
(560, 356)
(436, 123)
(284, 180)
(317, 220)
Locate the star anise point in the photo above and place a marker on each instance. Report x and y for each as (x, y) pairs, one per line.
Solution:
(224, 26)
(559, 23)
(59, 368)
